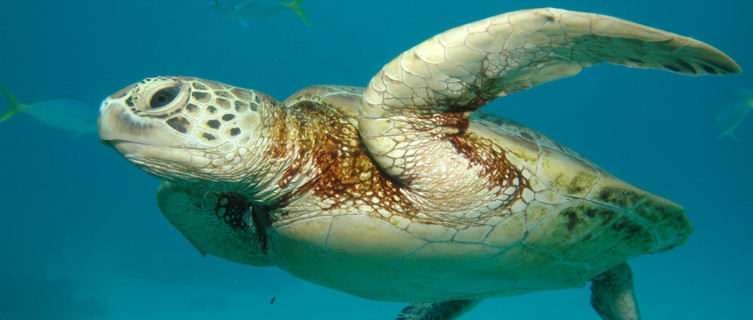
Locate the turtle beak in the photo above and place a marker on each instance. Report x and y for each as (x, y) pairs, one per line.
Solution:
(116, 128)
(117, 124)
(105, 134)
(114, 125)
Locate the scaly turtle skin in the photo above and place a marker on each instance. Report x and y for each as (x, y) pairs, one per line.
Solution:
(401, 192)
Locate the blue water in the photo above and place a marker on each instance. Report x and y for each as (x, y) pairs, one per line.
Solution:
(81, 236)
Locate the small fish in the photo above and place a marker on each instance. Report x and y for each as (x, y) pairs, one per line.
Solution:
(64, 113)
(727, 119)
(252, 9)
(272, 301)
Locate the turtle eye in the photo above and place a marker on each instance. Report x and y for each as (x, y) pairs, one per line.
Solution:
(163, 97)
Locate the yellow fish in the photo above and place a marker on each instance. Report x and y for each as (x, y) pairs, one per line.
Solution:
(64, 113)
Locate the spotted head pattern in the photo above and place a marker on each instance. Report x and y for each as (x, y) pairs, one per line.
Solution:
(203, 127)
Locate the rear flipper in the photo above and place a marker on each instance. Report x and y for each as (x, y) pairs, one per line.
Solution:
(612, 294)
(447, 310)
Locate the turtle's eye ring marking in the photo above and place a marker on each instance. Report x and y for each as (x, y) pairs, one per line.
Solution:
(164, 96)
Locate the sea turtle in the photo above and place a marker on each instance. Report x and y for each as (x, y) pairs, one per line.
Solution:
(403, 191)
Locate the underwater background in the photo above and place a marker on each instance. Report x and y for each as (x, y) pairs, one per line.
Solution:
(82, 238)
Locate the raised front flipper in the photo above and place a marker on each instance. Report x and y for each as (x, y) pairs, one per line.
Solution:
(223, 225)
(415, 105)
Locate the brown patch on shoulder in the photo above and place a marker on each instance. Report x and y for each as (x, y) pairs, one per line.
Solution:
(289, 174)
(345, 174)
(275, 125)
(279, 132)
(294, 169)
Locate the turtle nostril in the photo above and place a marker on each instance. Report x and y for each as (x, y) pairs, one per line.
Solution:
(163, 97)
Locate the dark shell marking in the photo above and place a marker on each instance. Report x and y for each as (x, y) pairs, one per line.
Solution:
(495, 168)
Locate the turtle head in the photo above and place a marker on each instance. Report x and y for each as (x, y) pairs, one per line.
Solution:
(208, 140)
(188, 130)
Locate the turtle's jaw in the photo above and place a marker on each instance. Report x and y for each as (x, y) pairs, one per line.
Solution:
(167, 163)
(148, 144)
(173, 164)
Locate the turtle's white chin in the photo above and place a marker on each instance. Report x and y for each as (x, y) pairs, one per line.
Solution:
(163, 162)
(135, 150)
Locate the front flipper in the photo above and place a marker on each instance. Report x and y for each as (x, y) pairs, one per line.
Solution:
(612, 294)
(424, 97)
(220, 224)
(447, 310)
